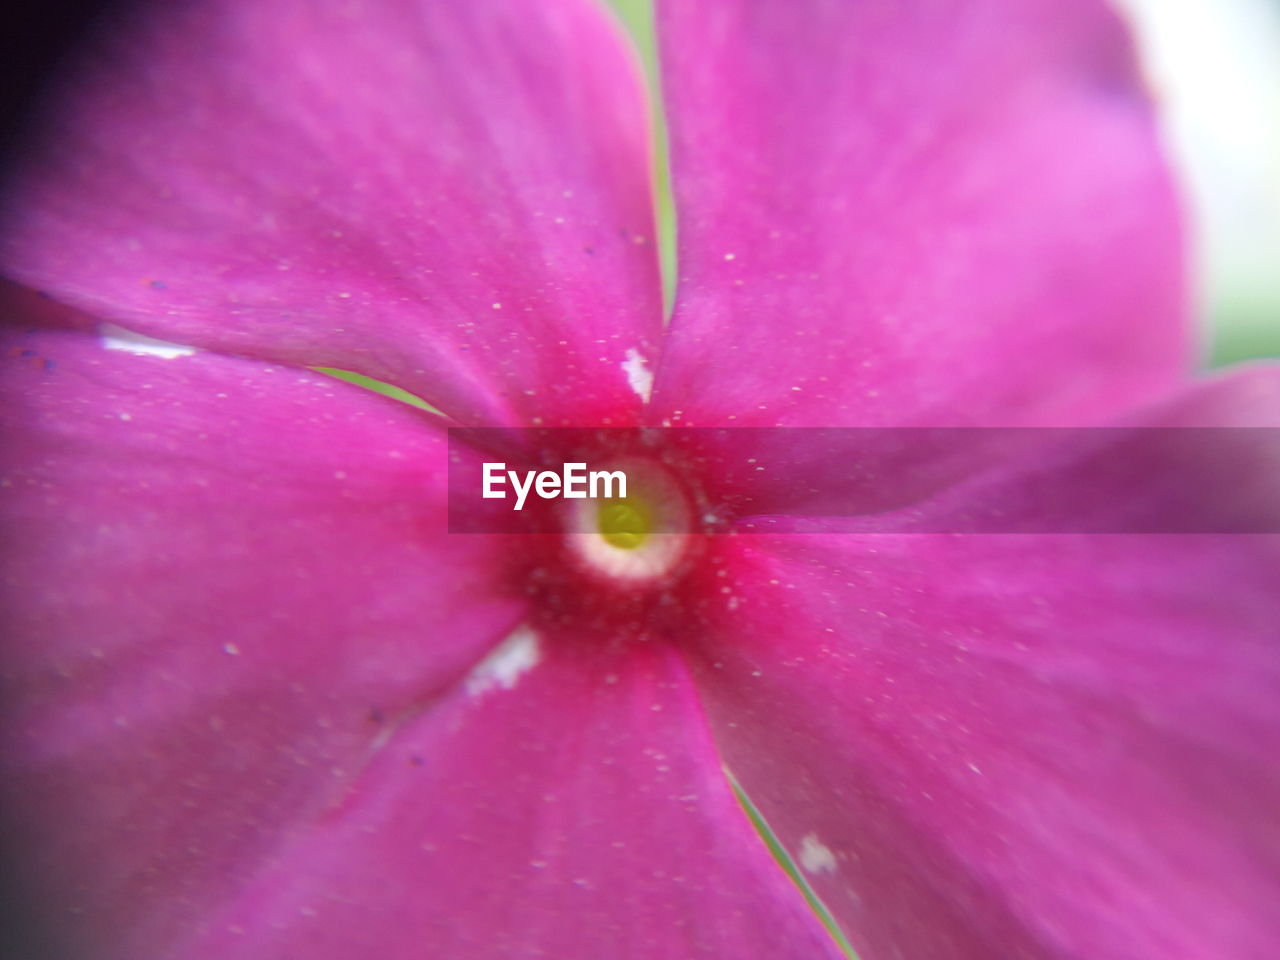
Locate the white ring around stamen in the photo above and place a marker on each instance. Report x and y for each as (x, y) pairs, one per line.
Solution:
(662, 548)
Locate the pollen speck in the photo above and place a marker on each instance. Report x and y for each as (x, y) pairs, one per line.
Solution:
(816, 857)
(118, 338)
(639, 376)
(515, 656)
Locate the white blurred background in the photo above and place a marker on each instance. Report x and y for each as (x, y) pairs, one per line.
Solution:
(1215, 65)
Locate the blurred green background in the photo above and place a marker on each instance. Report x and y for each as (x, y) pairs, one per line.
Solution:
(1214, 66)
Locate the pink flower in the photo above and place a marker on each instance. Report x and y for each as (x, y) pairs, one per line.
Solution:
(259, 704)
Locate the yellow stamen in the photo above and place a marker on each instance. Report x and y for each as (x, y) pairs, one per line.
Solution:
(623, 523)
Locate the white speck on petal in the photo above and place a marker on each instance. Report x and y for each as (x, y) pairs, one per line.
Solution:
(816, 857)
(639, 376)
(118, 338)
(503, 668)
(231, 648)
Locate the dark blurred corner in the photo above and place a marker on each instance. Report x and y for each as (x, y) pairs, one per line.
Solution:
(36, 37)
(24, 934)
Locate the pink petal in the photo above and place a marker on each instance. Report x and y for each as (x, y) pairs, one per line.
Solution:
(452, 197)
(1039, 746)
(225, 584)
(927, 213)
(1203, 462)
(566, 801)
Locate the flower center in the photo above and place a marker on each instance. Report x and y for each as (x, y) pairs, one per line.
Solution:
(641, 536)
(625, 524)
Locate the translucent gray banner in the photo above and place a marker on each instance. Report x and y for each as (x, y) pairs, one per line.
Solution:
(1177, 480)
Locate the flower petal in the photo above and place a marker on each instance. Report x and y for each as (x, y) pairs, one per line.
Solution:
(224, 584)
(927, 213)
(1035, 745)
(1205, 461)
(448, 196)
(566, 801)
